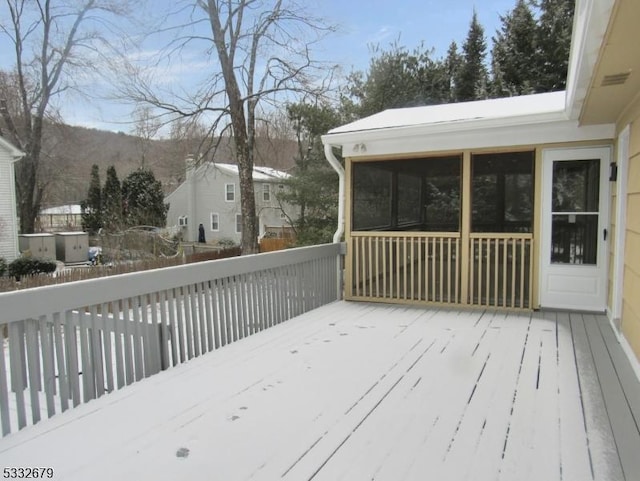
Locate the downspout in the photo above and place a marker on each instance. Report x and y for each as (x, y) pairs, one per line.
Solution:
(331, 158)
(328, 153)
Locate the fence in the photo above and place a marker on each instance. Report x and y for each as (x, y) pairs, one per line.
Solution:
(80, 273)
(70, 343)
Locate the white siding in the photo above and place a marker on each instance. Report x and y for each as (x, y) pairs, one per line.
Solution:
(210, 196)
(8, 223)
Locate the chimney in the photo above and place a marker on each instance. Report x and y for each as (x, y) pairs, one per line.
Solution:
(190, 180)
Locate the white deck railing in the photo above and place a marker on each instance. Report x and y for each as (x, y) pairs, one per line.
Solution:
(70, 343)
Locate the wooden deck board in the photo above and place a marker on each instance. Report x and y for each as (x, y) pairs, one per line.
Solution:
(358, 391)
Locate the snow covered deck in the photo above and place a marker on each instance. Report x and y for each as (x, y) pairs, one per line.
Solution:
(359, 391)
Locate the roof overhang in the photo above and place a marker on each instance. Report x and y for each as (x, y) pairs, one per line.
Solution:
(611, 81)
(463, 136)
(507, 122)
(526, 120)
(14, 152)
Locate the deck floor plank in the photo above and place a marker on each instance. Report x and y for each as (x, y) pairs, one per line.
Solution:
(625, 429)
(603, 454)
(356, 391)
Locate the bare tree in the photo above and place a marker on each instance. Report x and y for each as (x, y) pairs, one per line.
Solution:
(146, 127)
(50, 39)
(262, 57)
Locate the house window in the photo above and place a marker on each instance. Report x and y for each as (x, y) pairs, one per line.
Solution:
(215, 222)
(403, 195)
(502, 192)
(230, 192)
(238, 224)
(266, 192)
(183, 220)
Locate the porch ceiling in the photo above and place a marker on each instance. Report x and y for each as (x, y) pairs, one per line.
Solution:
(616, 78)
(359, 391)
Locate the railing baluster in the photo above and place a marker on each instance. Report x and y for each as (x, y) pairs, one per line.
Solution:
(106, 341)
(71, 348)
(504, 272)
(128, 330)
(48, 369)
(472, 273)
(513, 272)
(33, 364)
(63, 377)
(441, 247)
(17, 356)
(522, 255)
(434, 284)
(5, 419)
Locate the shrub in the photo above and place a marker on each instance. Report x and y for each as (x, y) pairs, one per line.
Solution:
(226, 243)
(24, 266)
(3, 266)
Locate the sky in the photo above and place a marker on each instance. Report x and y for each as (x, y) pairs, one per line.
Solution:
(360, 25)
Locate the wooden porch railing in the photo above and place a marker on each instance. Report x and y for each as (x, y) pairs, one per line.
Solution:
(70, 343)
(426, 267)
(500, 270)
(408, 266)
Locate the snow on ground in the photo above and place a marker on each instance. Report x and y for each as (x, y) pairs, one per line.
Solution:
(349, 391)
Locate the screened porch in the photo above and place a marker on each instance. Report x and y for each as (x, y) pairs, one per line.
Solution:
(455, 229)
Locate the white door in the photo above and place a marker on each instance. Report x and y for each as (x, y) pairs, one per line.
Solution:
(574, 238)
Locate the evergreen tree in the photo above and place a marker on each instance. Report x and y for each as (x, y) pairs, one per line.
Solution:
(554, 42)
(471, 83)
(396, 78)
(452, 65)
(92, 205)
(112, 201)
(143, 200)
(313, 186)
(514, 53)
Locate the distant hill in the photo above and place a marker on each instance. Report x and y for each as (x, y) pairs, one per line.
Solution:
(71, 151)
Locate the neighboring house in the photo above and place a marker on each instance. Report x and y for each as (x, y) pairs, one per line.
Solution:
(60, 218)
(210, 196)
(8, 214)
(524, 202)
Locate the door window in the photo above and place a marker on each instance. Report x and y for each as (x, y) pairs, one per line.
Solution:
(574, 217)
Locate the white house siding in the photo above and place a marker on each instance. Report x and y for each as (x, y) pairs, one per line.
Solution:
(8, 220)
(207, 195)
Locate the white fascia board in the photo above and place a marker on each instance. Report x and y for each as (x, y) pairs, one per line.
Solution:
(590, 23)
(486, 136)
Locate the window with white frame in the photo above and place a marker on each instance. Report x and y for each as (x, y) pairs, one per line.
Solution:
(238, 223)
(266, 192)
(215, 222)
(183, 220)
(230, 192)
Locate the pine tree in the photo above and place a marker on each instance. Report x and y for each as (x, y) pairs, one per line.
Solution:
(397, 78)
(112, 201)
(472, 80)
(313, 186)
(514, 53)
(452, 64)
(143, 200)
(554, 42)
(92, 205)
